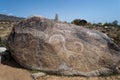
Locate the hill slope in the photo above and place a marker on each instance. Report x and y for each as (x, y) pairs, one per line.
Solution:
(4, 17)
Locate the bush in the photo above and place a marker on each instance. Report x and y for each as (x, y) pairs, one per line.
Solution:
(79, 22)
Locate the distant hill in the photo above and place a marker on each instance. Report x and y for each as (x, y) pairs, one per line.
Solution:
(4, 17)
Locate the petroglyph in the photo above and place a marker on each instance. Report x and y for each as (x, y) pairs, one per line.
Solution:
(63, 45)
(33, 32)
(91, 33)
(56, 38)
(64, 31)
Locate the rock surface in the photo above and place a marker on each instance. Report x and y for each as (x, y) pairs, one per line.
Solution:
(62, 48)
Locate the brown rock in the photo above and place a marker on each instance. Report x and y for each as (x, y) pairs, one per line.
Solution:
(62, 48)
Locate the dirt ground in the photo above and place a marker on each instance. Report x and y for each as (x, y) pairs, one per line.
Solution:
(10, 70)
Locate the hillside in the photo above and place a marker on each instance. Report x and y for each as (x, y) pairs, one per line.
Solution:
(4, 17)
(6, 24)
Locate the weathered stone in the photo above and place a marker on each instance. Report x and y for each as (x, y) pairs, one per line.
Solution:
(38, 75)
(2, 50)
(62, 48)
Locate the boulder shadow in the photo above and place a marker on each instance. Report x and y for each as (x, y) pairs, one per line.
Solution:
(7, 59)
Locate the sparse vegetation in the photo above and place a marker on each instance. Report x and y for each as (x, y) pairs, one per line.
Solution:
(79, 22)
(5, 29)
(6, 24)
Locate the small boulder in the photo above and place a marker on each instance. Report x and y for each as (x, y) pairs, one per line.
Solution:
(38, 75)
(2, 50)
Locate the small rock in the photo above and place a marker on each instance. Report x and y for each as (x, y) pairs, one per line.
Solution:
(2, 49)
(37, 75)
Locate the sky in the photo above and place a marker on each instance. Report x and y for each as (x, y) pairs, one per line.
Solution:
(93, 11)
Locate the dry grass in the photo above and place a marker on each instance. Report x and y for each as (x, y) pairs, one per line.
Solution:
(4, 33)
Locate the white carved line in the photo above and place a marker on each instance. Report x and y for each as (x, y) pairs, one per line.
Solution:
(31, 31)
(61, 38)
(81, 45)
(64, 31)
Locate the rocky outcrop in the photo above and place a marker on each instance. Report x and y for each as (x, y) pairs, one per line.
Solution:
(62, 48)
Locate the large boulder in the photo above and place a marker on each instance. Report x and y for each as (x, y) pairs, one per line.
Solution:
(61, 48)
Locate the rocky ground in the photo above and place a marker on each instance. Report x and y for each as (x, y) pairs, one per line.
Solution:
(10, 70)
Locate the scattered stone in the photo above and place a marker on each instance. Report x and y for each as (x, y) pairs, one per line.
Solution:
(38, 75)
(2, 49)
(61, 48)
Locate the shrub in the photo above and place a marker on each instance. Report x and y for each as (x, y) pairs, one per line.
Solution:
(79, 22)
